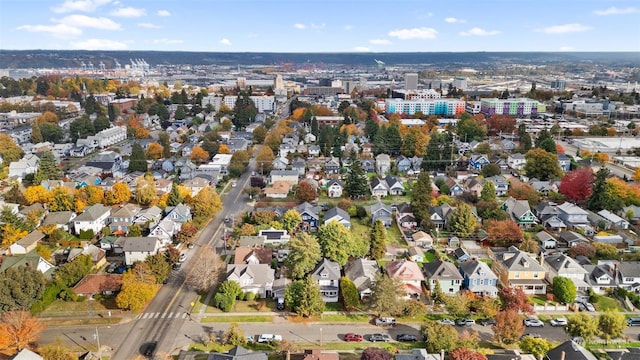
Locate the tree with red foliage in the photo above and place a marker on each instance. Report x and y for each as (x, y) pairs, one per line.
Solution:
(514, 298)
(560, 149)
(584, 249)
(508, 328)
(504, 232)
(576, 185)
(466, 354)
(373, 353)
(306, 192)
(501, 124)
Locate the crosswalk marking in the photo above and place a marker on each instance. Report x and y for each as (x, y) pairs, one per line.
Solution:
(184, 315)
(144, 316)
(170, 315)
(156, 315)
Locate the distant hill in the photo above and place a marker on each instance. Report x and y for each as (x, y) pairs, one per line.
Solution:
(23, 59)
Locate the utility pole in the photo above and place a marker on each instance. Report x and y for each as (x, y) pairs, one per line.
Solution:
(97, 337)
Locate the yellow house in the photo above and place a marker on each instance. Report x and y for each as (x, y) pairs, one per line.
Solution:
(516, 268)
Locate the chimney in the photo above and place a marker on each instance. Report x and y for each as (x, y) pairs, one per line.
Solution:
(562, 355)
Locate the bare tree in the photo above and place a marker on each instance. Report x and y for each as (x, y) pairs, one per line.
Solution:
(207, 270)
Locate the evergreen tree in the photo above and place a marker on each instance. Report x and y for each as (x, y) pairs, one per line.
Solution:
(244, 111)
(163, 139)
(370, 128)
(48, 169)
(392, 139)
(602, 194)
(138, 159)
(315, 130)
(525, 138)
(488, 192)
(378, 240)
(380, 142)
(174, 196)
(421, 200)
(356, 184)
(439, 152)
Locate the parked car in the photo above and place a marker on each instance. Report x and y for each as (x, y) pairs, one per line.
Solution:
(446, 321)
(385, 321)
(112, 268)
(191, 246)
(465, 322)
(533, 322)
(183, 257)
(151, 347)
(407, 337)
(227, 220)
(177, 266)
(635, 321)
(352, 337)
(558, 322)
(589, 306)
(265, 338)
(487, 322)
(379, 337)
(280, 303)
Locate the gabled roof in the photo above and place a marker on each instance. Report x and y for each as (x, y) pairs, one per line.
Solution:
(517, 207)
(404, 270)
(125, 211)
(629, 268)
(31, 238)
(477, 269)
(336, 211)
(441, 270)
(362, 272)
(516, 260)
(569, 350)
(58, 218)
(98, 283)
(326, 269)
(334, 182)
(571, 209)
(140, 244)
(563, 263)
(93, 212)
(243, 253)
(380, 206)
(309, 209)
(259, 273)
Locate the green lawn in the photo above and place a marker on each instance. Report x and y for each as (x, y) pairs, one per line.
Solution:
(429, 256)
(237, 319)
(537, 300)
(603, 303)
(344, 317)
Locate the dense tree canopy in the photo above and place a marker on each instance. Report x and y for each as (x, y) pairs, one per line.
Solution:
(542, 165)
(21, 287)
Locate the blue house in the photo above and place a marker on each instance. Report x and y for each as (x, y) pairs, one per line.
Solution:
(478, 278)
(477, 162)
(310, 217)
(403, 164)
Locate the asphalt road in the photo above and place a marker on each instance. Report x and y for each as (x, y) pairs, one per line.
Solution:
(173, 301)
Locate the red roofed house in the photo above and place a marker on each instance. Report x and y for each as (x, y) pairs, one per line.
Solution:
(104, 284)
(409, 274)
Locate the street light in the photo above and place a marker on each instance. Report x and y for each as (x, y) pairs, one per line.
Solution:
(97, 337)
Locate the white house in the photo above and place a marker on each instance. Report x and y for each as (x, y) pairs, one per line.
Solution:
(165, 230)
(93, 218)
(27, 165)
(255, 278)
(139, 248)
(334, 188)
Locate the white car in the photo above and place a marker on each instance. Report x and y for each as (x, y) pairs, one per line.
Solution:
(558, 322)
(183, 257)
(533, 322)
(446, 321)
(385, 321)
(265, 338)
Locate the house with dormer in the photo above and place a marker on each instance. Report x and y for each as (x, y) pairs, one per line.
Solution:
(255, 278)
(122, 217)
(516, 161)
(165, 230)
(327, 274)
(546, 240)
(280, 163)
(440, 214)
(368, 165)
(477, 162)
(334, 188)
(256, 254)
(405, 217)
(363, 273)
(383, 164)
(394, 185)
(148, 216)
(478, 278)
(519, 211)
(501, 184)
(93, 218)
(409, 274)
(403, 164)
(516, 268)
(565, 266)
(338, 215)
(601, 278)
(332, 166)
(473, 185)
(378, 188)
(445, 273)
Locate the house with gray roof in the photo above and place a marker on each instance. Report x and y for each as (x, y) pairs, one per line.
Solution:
(565, 266)
(445, 273)
(501, 184)
(61, 219)
(255, 278)
(92, 218)
(383, 164)
(139, 248)
(180, 213)
(310, 216)
(327, 274)
(339, 215)
(613, 219)
(629, 275)
(380, 211)
(572, 215)
(546, 240)
(519, 211)
(601, 277)
(27, 243)
(478, 278)
(516, 268)
(148, 217)
(569, 350)
(363, 273)
(236, 353)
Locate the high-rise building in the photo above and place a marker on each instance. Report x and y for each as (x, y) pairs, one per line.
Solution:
(558, 84)
(514, 107)
(460, 83)
(446, 107)
(278, 83)
(411, 81)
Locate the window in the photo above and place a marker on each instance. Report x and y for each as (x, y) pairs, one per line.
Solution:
(535, 275)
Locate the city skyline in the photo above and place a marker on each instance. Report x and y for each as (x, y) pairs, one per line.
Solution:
(328, 26)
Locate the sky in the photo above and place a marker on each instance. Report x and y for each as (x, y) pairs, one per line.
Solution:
(321, 26)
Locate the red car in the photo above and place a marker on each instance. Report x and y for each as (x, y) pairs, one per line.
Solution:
(352, 337)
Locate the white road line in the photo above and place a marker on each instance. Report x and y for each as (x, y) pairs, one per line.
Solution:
(184, 315)
(170, 315)
(163, 315)
(157, 314)
(145, 315)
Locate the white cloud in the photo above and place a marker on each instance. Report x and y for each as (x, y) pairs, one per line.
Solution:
(80, 5)
(415, 33)
(476, 31)
(318, 26)
(98, 44)
(149, 26)
(225, 41)
(129, 12)
(163, 13)
(84, 21)
(58, 30)
(166, 41)
(566, 48)
(348, 27)
(565, 28)
(453, 20)
(299, 26)
(361, 49)
(616, 11)
(380, 42)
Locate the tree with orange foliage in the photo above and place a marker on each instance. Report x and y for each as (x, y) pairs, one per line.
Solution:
(514, 299)
(466, 354)
(18, 330)
(142, 133)
(154, 151)
(223, 149)
(11, 234)
(509, 327)
(501, 124)
(504, 232)
(199, 155)
(601, 157)
(560, 149)
(60, 199)
(47, 117)
(119, 194)
(299, 113)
